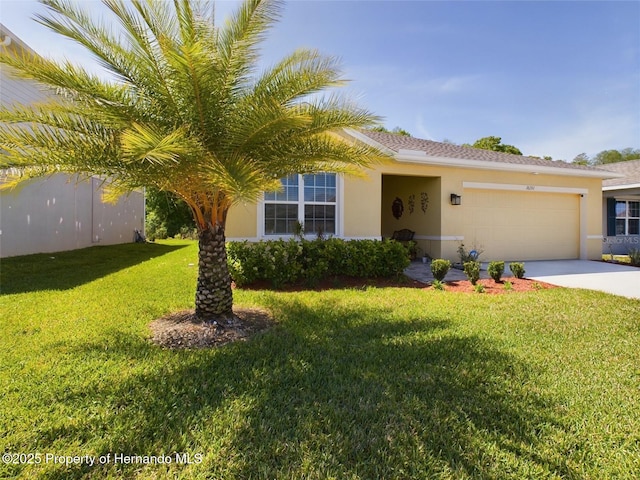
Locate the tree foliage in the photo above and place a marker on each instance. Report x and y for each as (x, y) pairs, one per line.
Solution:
(495, 144)
(396, 130)
(608, 156)
(166, 215)
(188, 113)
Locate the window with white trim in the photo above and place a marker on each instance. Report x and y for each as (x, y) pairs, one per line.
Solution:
(627, 217)
(308, 199)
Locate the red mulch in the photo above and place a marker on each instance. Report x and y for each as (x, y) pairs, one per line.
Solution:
(490, 287)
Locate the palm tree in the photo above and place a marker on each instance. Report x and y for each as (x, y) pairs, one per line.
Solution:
(185, 111)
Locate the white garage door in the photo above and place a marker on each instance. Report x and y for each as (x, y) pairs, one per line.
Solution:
(522, 226)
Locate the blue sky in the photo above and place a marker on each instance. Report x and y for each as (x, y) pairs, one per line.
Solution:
(552, 78)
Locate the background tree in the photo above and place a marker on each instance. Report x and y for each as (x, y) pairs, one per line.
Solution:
(614, 156)
(166, 215)
(187, 114)
(608, 156)
(495, 144)
(396, 130)
(581, 159)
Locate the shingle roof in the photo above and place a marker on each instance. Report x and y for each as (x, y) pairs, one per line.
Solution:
(399, 144)
(630, 169)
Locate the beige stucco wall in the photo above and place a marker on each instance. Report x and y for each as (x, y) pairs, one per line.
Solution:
(58, 213)
(439, 231)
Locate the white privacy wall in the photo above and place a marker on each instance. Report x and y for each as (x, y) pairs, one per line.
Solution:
(58, 213)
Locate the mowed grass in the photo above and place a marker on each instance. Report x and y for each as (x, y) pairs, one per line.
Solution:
(393, 383)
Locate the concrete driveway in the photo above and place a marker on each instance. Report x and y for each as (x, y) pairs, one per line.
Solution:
(592, 275)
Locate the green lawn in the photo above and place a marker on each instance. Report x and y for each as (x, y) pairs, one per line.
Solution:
(352, 384)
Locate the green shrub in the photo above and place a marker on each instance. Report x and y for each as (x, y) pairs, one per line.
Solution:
(478, 287)
(439, 268)
(469, 256)
(508, 285)
(634, 256)
(472, 270)
(517, 269)
(438, 285)
(286, 262)
(496, 270)
(166, 215)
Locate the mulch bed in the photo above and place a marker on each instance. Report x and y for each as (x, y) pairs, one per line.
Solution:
(183, 330)
(491, 287)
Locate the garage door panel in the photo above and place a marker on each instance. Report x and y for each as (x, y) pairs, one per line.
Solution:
(522, 225)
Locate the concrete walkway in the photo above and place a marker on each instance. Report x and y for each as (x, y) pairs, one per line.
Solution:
(606, 277)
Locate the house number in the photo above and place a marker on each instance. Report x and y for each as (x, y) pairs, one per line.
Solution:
(531, 187)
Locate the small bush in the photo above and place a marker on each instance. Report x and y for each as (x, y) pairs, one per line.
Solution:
(479, 288)
(439, 268)
(438, 285)
(517, 269)
(634, 256)
(472, 270)
(508, 285)
(496, 270)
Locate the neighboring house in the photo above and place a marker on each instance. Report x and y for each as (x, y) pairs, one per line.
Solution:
(58, 212)
(510, 206)
(621, 208)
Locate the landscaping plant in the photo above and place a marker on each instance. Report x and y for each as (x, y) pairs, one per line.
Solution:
(496, 270)
(472, 270)
(470, 255)
(517, 269)
(283, 262)
(439, 268)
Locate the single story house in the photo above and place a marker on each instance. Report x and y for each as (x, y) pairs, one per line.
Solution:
(512, 207)
(59, 212)
(621, 208)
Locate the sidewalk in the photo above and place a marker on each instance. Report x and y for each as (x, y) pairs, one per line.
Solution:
(422, 272)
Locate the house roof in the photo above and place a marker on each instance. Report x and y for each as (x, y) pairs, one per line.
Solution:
(416, 150)
(631, 171)
(12, 42)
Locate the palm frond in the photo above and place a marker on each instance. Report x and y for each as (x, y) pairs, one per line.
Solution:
(184, 110)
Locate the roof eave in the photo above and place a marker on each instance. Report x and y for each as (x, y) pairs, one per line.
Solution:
(627, 186)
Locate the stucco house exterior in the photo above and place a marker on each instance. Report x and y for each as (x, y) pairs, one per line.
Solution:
(59, 212)
(510, 206)
(621, 208)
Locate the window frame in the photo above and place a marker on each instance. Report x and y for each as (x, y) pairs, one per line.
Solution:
(627, 217)
(301, 203)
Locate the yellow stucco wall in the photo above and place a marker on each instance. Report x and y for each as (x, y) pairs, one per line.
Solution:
(366, 210)
(361, 207)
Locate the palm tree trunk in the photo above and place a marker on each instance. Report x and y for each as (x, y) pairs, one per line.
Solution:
(214, 299)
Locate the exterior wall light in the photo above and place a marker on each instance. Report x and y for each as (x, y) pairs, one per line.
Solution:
(455, 199)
